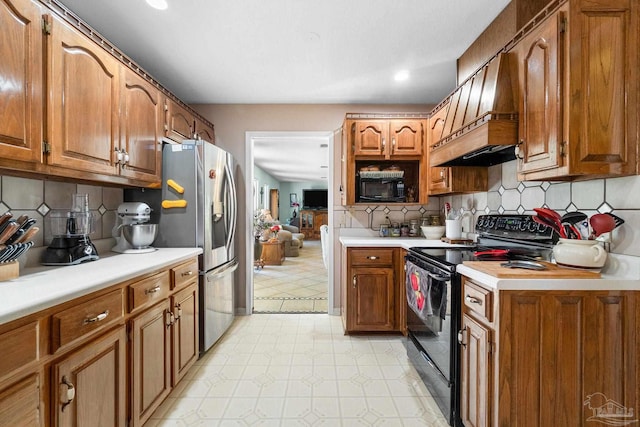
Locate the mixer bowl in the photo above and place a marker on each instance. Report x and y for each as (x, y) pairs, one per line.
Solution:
(140, 235)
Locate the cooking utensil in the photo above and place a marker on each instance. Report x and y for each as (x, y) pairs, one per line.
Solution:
(529, 265)
(573, 217)
(619, 221)
(572, 231)
(447, 210)
(491, 252)
(552, 217)
(600, 224)
(555, 226)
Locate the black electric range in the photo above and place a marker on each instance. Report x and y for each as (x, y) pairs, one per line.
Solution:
(434, 297)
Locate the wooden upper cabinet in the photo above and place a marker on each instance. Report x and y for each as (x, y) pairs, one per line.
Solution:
(141, 121)
(204, 131)
(83, 105)
(578, 80)
(21, 96)
(541, 109)
(180, 122)
(388, 138)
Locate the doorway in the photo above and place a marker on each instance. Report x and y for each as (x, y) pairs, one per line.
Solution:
(257, 138)
(274, 203)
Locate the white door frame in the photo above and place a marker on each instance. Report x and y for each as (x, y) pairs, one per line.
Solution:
(250, 137)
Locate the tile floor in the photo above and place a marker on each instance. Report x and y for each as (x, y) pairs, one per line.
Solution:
(299, 285)
(300, 370)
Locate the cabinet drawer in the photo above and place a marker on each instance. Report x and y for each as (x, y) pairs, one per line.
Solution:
(184, 274)
(371, 257)
(148, 291)
(19, 347)
(478, 300)
(83, 319)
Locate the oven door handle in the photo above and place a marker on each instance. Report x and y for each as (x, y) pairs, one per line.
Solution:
(434, 367)
(440, 278)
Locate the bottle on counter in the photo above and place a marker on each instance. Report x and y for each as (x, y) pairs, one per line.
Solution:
(395, 230)
(384, 230)
(414, 229)
(404, 230)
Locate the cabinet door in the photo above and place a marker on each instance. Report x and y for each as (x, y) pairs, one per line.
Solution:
(370, 137)
(320, 218)
(371, 299)
(83, 102)
(185, 330)
(407, 137)
(439, 179)
(604, 57)
(204, 131)
(475, 374)
(141, 127)
(541, 69)
(21, 94)
(90, 384)
(179, 122)
(20, 402)
(151, 361)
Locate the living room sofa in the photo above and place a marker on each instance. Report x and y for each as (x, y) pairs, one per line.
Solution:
(295, 232)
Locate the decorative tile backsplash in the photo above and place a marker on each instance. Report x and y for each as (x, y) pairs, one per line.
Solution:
(38, 198)
(507, 195)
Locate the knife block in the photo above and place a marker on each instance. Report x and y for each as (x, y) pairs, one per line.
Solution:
(9, 270)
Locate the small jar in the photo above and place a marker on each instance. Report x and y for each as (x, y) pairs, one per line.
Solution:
(404, 230)
(395, 230)
(434, 220)
(414, 230)
(384, 230)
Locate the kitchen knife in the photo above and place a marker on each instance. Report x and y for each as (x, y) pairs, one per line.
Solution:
(27, 224)
(28, 235)
(22, 218)
(15, 236)
(9, 230)
(5, 217)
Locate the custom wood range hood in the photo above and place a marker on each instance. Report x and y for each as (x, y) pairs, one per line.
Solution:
(478, 121)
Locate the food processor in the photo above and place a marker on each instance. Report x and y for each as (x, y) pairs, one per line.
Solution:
(132, 234)
(70, 230)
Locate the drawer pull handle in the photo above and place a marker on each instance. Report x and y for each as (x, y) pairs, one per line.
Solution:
(187, 273)
(100, 317)
(373, 258)
(472, 300)
(152, 290)
(69, 394)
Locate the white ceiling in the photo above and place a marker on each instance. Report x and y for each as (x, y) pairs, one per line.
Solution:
(295, 51)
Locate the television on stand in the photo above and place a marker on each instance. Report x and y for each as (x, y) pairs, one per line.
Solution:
(315, 199)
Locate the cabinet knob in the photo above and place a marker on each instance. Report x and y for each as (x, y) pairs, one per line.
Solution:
(373, 258)
(68, 394)
(517, 150)
(383, 144)
(355, 282)
(119, 156)
(461, 337)
(178, 313)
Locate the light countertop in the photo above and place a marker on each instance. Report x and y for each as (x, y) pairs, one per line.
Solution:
(621, 272)
(39, 288)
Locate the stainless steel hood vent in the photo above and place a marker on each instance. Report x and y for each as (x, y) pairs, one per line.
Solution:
(477, 125)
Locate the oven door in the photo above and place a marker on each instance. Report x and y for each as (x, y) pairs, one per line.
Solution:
(431, 323)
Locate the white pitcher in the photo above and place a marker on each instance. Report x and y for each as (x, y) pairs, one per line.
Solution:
(579, 253)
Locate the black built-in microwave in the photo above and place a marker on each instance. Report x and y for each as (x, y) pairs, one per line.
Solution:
(389, 190)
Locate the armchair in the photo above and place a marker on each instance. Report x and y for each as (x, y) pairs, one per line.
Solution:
(291, 244)
(295, 232)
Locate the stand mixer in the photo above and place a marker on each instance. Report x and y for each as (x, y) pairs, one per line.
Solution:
(132, 233)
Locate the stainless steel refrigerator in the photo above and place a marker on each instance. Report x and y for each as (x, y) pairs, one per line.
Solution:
(197, 207)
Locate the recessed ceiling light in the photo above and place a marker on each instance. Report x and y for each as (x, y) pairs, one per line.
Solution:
(158, 4)
(401, 76)
(324, 167)
(324, 145)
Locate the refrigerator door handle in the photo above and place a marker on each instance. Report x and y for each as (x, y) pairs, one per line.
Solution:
(230, 268)
(231, 214)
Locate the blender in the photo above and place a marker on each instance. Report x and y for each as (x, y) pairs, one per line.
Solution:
(132, 233)
(70, 230)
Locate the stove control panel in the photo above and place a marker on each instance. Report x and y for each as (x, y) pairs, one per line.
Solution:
(513, 226)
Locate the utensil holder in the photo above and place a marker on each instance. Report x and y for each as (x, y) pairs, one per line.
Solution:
(453, 228)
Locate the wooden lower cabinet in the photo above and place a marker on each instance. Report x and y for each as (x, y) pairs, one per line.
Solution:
(371, 299)
(150, 361)
(310, 222)
(20, 402)
(550, 358)
(184, 331)
(92, 362)
(89, 385)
